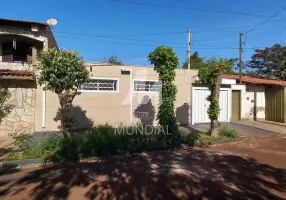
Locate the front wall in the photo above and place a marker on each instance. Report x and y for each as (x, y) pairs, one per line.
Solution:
(114, 107)
(41, 35)
(21, 117)
(252, 101)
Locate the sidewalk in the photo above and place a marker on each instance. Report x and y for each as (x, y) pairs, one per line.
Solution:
(267, 125)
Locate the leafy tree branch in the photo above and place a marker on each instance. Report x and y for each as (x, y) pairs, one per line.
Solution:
(62, 72)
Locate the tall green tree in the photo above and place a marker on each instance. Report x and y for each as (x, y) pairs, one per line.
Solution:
(165, 63)
(196, 62)
(62, 72)
(212, 76)
(269, 62)
(229, 64)
(113, 60)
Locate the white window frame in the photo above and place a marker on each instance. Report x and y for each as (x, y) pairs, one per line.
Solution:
(133, 86)
(103, 91)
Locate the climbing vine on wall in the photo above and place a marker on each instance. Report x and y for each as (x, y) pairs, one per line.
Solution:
(165, 63)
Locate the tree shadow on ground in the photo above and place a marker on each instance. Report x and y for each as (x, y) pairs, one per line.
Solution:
(79, 115)
(145, 111)
(182, 114)
(185, 174)
(6, 150)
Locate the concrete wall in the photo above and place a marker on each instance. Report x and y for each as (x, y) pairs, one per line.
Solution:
(21, 117)
(15, 66)
(252, 101)
(40, 36)
(94, 108)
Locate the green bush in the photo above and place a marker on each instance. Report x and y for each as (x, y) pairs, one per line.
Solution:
(190, 138)
(227, 132)
(67, 149)
(104, 140)
(35, 150)
(99, 142)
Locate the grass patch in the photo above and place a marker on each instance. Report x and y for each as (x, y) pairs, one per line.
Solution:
(104, 141)
(227, 132)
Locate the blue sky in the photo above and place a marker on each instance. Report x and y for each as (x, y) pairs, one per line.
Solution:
(101, 28)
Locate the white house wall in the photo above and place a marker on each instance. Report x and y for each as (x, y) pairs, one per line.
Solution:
(251, 94)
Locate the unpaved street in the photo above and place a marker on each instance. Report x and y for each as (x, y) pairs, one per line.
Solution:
(254, 169)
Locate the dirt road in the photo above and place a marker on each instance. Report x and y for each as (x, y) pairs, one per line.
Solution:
(253, 169)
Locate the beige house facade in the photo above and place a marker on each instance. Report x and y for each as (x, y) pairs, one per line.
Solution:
(134, 98)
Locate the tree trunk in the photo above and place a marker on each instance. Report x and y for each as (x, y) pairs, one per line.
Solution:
(214, 128)
(63, 121)
(215, 94)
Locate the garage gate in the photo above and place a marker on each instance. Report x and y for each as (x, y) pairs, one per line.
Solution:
(200, 105)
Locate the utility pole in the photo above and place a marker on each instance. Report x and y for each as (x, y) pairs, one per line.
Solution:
(240, 57)
(189, 48)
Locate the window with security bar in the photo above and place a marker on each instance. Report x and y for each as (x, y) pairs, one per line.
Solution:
(100, 85)
(147, 86)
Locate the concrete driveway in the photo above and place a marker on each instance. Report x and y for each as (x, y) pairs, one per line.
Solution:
(253, 169)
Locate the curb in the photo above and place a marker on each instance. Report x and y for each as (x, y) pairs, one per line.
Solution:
(19, 163)
(41, 161)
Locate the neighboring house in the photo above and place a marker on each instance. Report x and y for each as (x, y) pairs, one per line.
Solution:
(19, 43)
(254, 99)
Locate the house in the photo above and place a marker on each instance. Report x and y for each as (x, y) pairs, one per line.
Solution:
(253, 99)
(19, 42)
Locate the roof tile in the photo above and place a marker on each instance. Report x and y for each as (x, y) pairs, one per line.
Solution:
(262, 81)
(24, 21)
(7, 72)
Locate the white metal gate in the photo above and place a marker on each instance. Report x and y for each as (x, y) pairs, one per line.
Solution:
(200, 105)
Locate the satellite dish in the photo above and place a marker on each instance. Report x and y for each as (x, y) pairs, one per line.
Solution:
(52, 22)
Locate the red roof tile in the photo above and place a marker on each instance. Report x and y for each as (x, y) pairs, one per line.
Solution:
(24, 21)
(7, 72)
(249, 79)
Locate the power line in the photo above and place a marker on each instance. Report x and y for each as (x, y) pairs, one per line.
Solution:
(131, 39)
(215, 38)
(113, 37)
(179, 47)
(191, 2)
(268, 19)
(114, 42)
(154, 34)
(265, 21)
(184, 8)
(90, 37)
